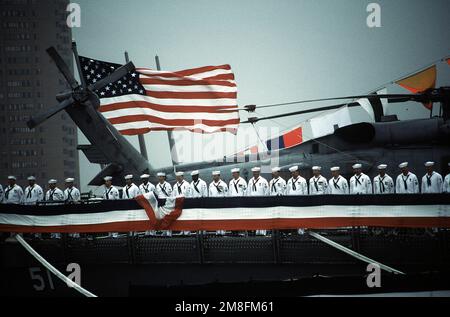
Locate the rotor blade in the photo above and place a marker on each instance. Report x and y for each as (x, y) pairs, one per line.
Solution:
(62, 66)
(118, 74)
(408, 97)
(77, 61)
(253, 120)
(41, 117)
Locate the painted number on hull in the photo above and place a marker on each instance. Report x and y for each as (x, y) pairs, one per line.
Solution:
(40, 279)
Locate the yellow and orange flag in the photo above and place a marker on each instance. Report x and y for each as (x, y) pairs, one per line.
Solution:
(420, 82)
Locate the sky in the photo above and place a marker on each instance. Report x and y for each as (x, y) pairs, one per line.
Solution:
(279, 50)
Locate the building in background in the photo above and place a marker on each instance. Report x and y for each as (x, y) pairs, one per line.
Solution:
(29, 82)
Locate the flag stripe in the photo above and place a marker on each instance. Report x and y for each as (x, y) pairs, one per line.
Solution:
(168, 116)
(138, 125)
(183, 82)
(191, 88)
(194, 130)
(171, 102)
(191, 95)
(168, 109)
(172, 122)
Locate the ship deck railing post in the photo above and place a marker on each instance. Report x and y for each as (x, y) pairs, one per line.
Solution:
(201, 255)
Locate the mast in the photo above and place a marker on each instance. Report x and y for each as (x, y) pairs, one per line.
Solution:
(173, 150)
(142, 146)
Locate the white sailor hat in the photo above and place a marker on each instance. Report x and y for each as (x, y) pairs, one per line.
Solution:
(382, 166)
(128, 176)
(145, 176)
(316, 168)
(179, 174)
(107, 178)
(12, 177)
(235, 170)
(161, 174)
(448, 164)
(357, 166)
(193, 173)
(429, 164)
(293, 168)
(335, 169)
(52, 181)
(214, 173)
(31, 178)
(276, 169)
(403, 165)
(256, 169)
(69, 180)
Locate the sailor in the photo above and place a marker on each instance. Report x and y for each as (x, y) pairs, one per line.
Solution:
(383, 183)
(217, 188)
(33, 192)
(360, 183)
(446, 187)
(54, 193)
(318, 185)
(71, 193)
(130, 190)
(13, 193)
(237, 186)
(163, 189)
(337, 185)
(407, 182)
(257, 185)
(146, 186)
(432, 182)
(199, 188)
(296, 185)
(181, 188)
(277, 185)
(111, 192)
(2, 193)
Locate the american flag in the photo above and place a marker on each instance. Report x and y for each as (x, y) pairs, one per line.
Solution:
(200, 100)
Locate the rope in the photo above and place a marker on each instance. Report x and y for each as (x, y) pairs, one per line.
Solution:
(52, 269)
(353, 253)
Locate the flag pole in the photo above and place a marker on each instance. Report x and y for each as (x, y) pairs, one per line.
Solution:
(173, 150)
(141, 138)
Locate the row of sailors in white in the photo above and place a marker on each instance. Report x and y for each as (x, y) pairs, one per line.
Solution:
(14, 194)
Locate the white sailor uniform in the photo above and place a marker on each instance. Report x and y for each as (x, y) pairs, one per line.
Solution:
(72, 194)
(237, 187)
(181, 189)
(360, 185)
(446, 187)
(2, 194)
(130, 191)
(258, 187)
(33, 194)
(163, 190)
(297, 187)
(146, 188)
(408, 184)
(54, 194)
(432, 184)
(318, 185)
(277, 186)
(383, 185)
(199, 189)
(338, 186)
(219, 189)
(111, 193)
(13, 195)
